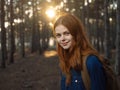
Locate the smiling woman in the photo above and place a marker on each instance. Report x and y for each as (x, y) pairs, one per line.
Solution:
(72, 48)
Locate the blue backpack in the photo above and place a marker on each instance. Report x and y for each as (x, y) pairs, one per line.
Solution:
(112, 83)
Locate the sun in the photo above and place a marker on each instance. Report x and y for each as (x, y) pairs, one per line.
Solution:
(50, 12)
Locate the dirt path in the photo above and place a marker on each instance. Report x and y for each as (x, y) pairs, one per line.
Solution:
(34, 72)
(31, 73)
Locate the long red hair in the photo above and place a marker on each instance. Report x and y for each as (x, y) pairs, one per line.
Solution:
(80, 47)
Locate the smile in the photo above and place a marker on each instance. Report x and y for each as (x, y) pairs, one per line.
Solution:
(65, 43)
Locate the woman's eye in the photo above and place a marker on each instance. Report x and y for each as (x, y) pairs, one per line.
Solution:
(58, 35)
(66, 33)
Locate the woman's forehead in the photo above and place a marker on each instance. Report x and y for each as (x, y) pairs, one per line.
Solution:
(61, 28)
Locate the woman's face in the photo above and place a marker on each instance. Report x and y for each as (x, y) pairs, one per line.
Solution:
(63, 36)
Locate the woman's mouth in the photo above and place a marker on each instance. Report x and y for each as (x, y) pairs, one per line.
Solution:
(64, 44)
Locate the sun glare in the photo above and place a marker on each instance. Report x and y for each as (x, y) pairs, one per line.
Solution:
(50, 12)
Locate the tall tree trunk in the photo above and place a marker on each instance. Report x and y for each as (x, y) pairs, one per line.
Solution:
(3, 35)
(22, 31)
(97, 25)
(35, 29)
(83, 13)
(107, 31)
(12, 40)
(76, 6)
(33, 48)
(117, 64)
(87, 21)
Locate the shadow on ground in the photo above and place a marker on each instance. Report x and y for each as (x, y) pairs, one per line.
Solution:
(34, 72)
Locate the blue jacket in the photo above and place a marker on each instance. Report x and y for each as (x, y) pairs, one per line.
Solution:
(96, 72)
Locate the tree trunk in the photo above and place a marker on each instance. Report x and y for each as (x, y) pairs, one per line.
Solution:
(12, 40)
(33, 48)
(22, 32)
(117, 63)
(3, 35)
(97, 25)
(107, 31)
(83, 13)
(35, 29)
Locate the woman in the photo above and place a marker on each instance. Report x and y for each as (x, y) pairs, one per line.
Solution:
(72, 47)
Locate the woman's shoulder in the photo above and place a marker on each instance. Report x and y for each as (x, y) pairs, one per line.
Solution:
(93, 61)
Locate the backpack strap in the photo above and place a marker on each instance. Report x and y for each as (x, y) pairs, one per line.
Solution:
(85, 74)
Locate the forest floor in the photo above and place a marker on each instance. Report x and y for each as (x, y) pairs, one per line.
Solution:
(34, 72)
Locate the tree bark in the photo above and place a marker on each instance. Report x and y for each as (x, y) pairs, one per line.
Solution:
(97, 25)
(3, 35)
(12, 37)
(107, 31)
(22, 29)
(117, 63)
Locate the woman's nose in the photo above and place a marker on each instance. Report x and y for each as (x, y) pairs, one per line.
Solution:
(62, 37)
